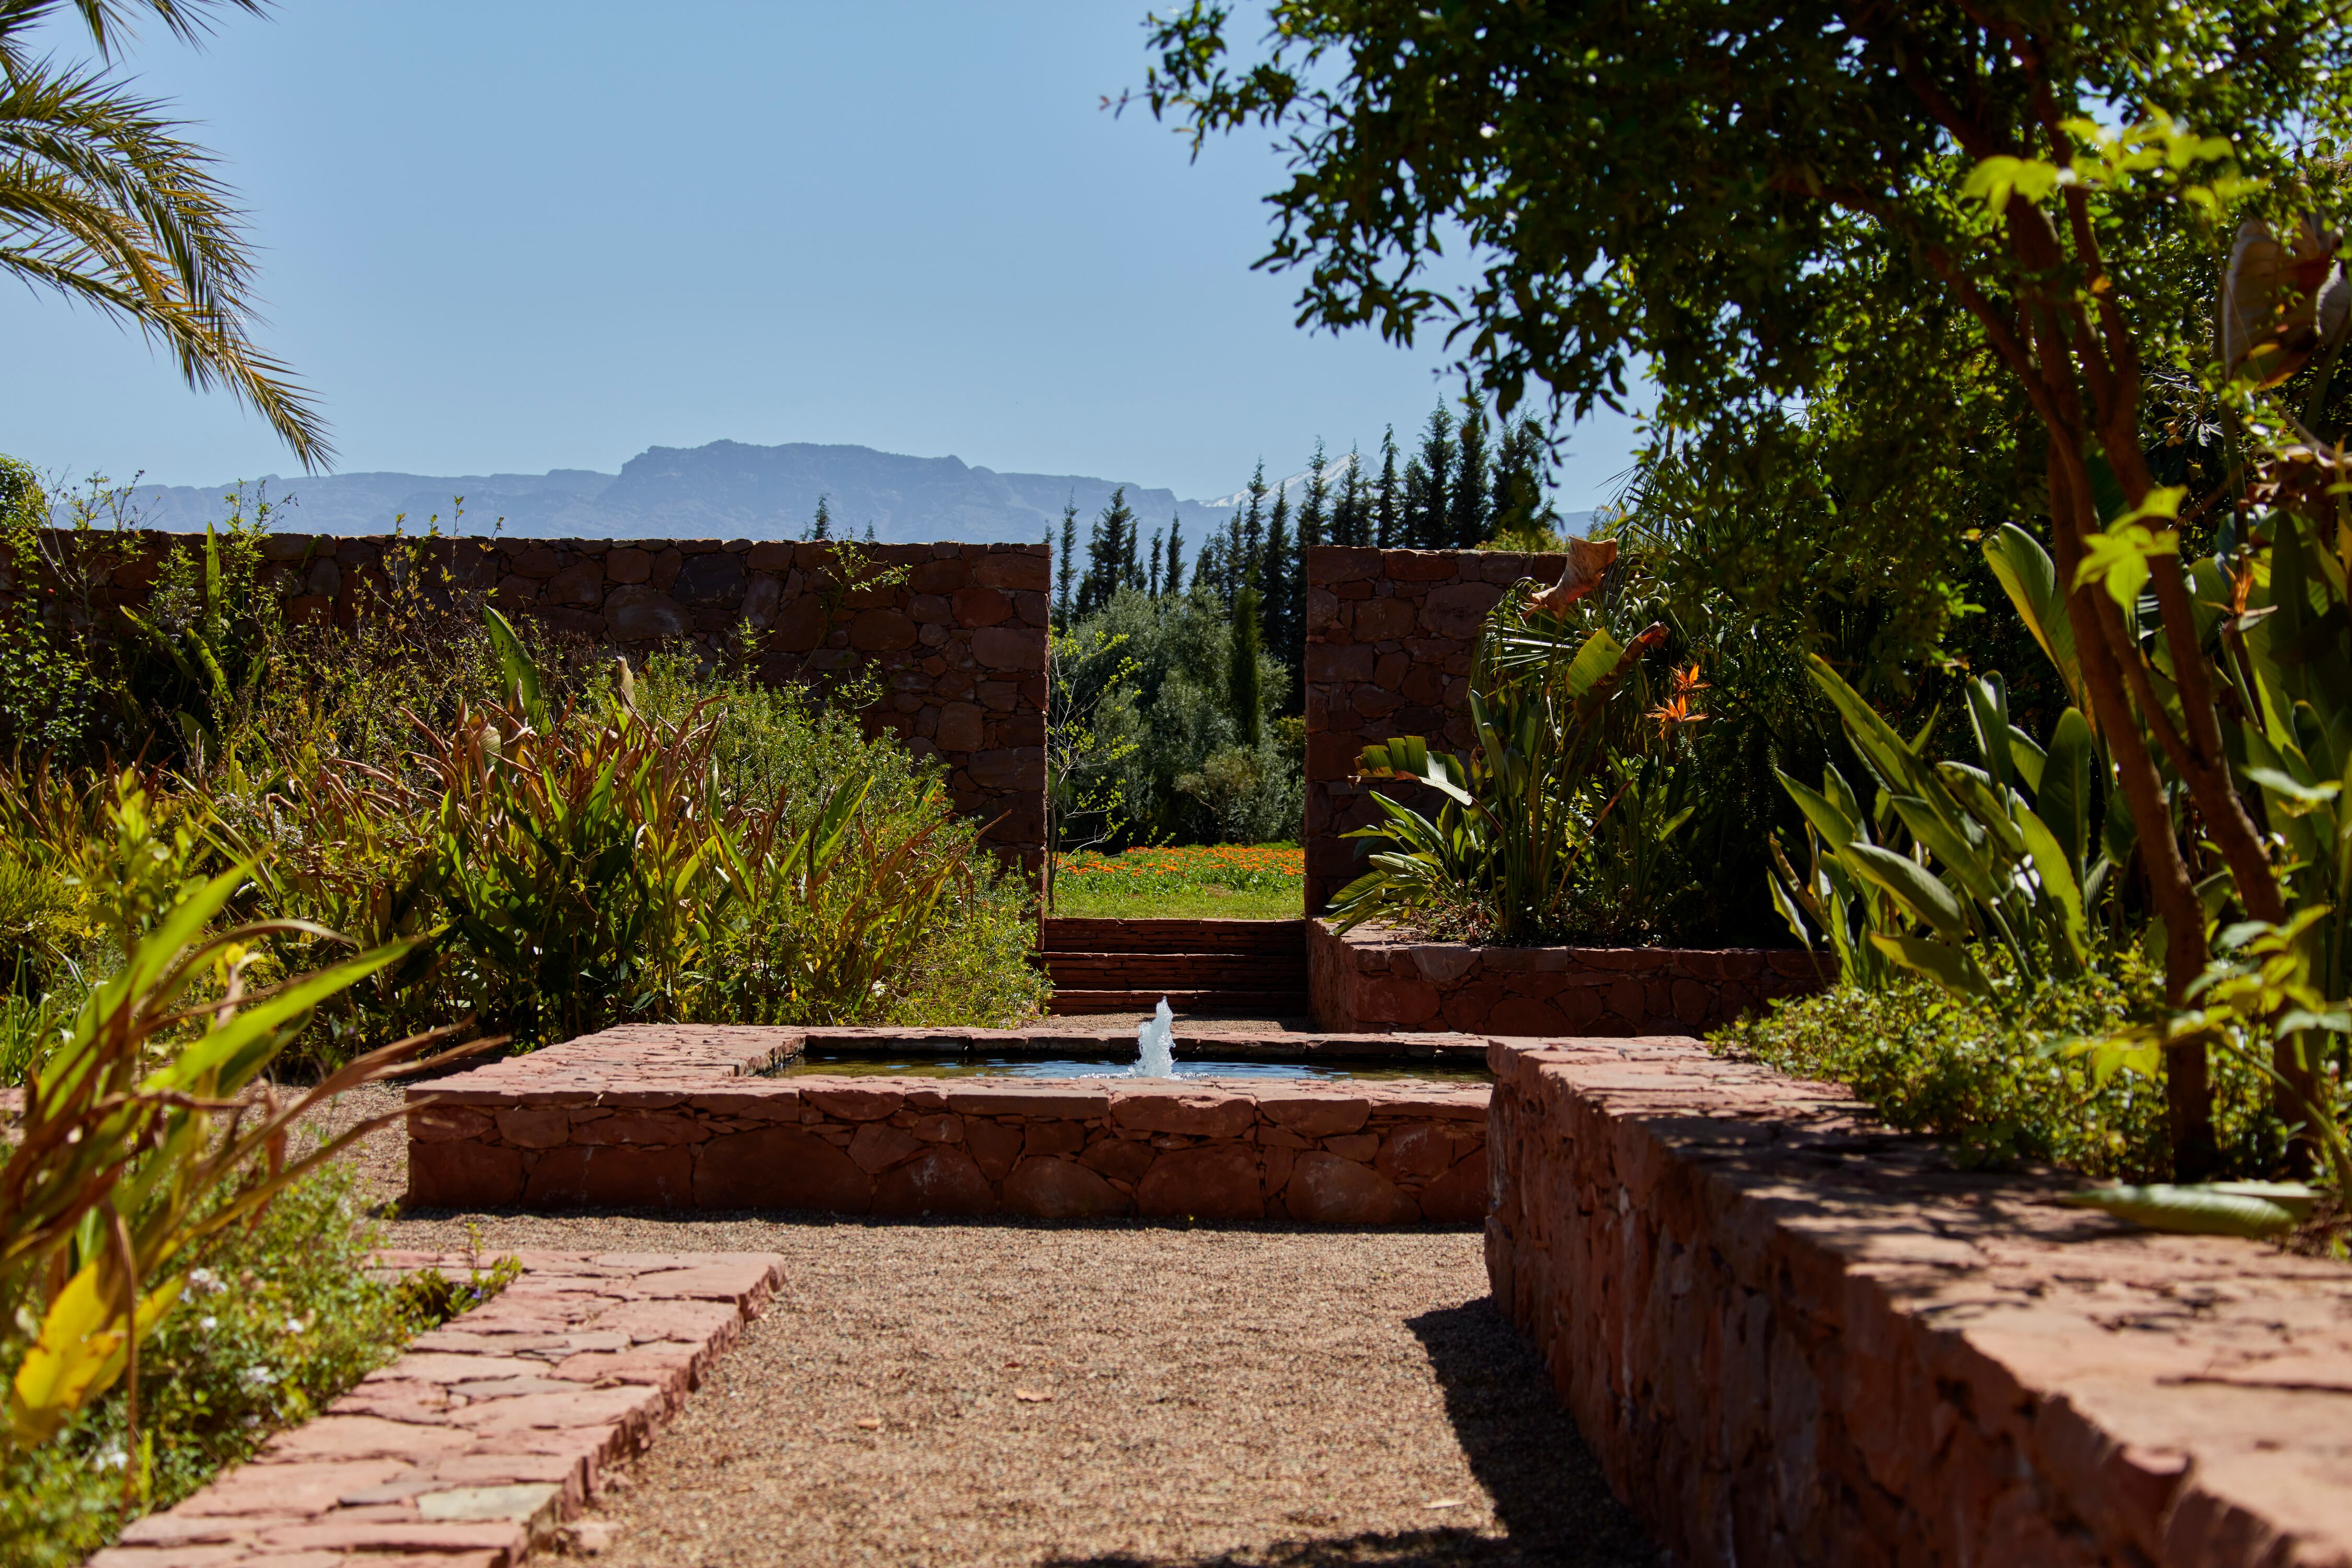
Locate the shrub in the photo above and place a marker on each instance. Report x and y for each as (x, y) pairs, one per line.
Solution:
(1932, 1061)
(278, 1317)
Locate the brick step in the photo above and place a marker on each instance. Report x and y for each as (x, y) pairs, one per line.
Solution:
(1175, 971)
(1070, 934)
(1186, 1004)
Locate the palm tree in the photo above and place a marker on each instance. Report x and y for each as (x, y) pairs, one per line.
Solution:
(101, 200)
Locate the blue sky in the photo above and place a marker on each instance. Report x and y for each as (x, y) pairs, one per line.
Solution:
(511, 235)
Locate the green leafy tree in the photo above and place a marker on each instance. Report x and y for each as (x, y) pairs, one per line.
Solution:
(1694, 192)
(102, 201)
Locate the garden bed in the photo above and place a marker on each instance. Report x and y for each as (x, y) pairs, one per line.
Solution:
(683, 1118)
(488, 1433)
(1374, 978)
(1794, 1336)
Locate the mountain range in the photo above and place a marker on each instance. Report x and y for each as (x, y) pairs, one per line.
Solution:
(723, 491)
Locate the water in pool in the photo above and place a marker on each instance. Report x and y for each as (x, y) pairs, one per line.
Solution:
(839, 1063)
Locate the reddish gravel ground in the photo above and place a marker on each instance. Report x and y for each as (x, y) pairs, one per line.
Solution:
(1121, 1395)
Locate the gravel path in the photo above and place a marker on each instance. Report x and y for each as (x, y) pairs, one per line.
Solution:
(1118, 1396)
(994, 1392)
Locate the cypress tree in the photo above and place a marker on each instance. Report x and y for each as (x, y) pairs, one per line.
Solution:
(1111, 554)
(1412, 504)
(1248, 531)
(1275, 569)
(1384, 502)
(1204, 570)
(1314, 508)
(823, 529)
(1065, 560)
(1431, 529)
(1152, 585)
(1519, 462)
(1242, 692)
(1174, 581)
(869, 531)
(1348, 518)
(1467, 497)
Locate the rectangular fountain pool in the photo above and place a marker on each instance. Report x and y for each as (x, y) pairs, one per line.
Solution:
(848, 1064)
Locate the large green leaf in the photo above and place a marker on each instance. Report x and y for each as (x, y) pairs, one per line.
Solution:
(2030, 578)
(1950, 967)
(1913, 886)
(515, 664)
(2219, 1209)
(2063, 800)
(1827, 820)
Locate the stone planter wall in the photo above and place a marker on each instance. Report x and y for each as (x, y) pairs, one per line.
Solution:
(674, 1118)
(959, 645)
(1793, 1336)
(1372, 978)
(1389, 638)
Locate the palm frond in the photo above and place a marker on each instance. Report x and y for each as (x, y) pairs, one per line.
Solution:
(103, 199)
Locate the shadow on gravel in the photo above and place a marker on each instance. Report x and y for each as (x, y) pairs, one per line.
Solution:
(1524, 1450)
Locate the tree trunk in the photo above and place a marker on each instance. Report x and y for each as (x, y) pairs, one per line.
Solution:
(2189, 1097)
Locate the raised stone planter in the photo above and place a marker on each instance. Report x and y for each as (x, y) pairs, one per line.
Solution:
(677, 1118)
(1370, 978)
(1793, 1336)
(487, 1434)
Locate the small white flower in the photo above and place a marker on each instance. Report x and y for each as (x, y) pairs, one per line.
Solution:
(297, 1325)
(257, 1376)
(208, 1323)
(114, 1459)
(205, 1282)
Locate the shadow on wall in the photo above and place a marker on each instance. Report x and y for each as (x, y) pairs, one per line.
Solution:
(1549, 1492)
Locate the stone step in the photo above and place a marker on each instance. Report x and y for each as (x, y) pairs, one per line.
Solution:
(1186, 1004)
(1070, 934)
(1177, 971)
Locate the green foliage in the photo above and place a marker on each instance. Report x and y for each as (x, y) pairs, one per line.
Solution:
(1244, 686)
(2023, 866)
(1519, 811)
(280, 1316)
(148, 1127)
(2003, 1085)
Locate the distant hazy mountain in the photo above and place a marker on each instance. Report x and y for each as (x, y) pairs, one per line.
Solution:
(723, 491)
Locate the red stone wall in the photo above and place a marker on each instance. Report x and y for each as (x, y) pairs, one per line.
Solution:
(1372, 978)
(1389, 638)
(671, 1118)
(960, 643)
(1793, 1336)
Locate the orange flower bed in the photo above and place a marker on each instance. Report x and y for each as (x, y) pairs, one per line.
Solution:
(1237, 866)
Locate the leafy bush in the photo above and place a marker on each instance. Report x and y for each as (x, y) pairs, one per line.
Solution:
(279, 1317)
(2005, 1087)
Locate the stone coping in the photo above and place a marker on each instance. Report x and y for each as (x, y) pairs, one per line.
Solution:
(487, 1433)
(1792, 1335)
(1374, 978)
(680, 1118)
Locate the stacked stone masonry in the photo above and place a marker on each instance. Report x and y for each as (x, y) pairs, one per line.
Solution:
(1793, 1336)
(675, 1118)
(487, 1434)
(1370, 978)
(958, 642)
(1391, 634)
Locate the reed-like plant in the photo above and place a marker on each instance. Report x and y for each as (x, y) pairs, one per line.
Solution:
(149, 1127)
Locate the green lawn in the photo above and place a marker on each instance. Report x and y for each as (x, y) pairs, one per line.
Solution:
(1215, 881)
